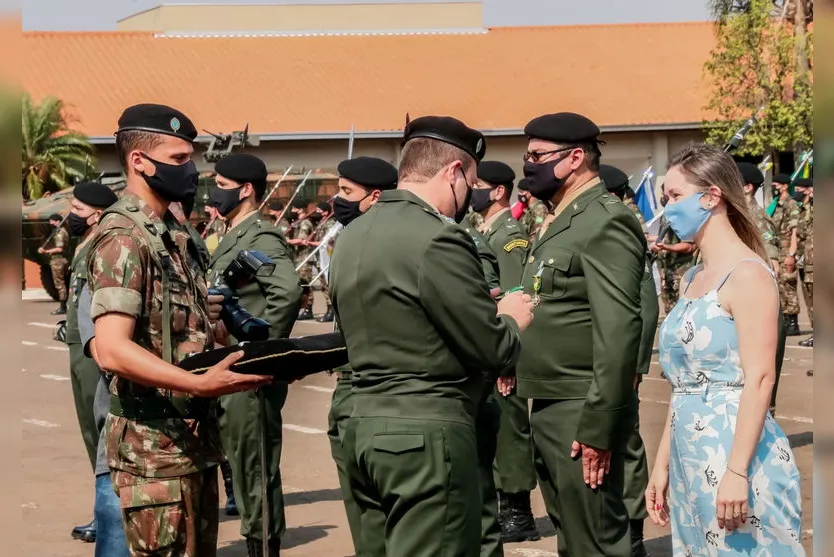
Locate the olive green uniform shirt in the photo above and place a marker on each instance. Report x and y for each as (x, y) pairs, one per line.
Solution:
(510, 242)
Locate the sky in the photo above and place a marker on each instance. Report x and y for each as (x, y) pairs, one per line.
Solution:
(101, 15)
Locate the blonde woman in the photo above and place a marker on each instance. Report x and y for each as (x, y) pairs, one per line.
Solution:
(725, 475)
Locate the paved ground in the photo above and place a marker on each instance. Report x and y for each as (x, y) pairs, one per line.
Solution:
(58, 484)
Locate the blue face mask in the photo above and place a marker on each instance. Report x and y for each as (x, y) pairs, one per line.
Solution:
(687, 217)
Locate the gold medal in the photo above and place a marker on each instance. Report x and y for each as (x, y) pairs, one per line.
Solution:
(537, 284)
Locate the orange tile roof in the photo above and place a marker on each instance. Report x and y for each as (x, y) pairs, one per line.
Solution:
(618, 75)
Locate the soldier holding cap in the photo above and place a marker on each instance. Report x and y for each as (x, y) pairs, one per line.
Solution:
(240, 187)
(421, 330)
(585, 273)
(151, 309)
(89, 200)
(636, 476)
(361, 183)
(514, 473)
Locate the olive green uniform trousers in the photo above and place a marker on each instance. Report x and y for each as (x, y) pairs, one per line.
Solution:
(514, 472)
(636, 467)
(589, 523)
(411, 467)
(487, 425)
(84, 377)
(240, 424)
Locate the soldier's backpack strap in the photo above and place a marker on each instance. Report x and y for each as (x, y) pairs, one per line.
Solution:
(201, 253)
(162, 259)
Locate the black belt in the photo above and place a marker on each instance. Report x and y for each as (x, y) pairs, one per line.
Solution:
(159, 408)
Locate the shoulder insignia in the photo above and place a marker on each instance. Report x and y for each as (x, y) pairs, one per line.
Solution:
(518, 243)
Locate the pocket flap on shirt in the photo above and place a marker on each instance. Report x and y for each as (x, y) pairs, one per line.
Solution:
(560, 260)
(398, 443)
(145, 494)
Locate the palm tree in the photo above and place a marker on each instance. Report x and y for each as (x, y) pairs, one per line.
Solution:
(53, 154)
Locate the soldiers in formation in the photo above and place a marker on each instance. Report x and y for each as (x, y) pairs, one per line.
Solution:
(438, 320)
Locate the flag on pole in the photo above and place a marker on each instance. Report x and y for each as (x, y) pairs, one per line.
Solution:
(644, 196)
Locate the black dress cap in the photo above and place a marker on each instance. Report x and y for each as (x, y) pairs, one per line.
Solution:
(750, 173)
(522, 185)
(94, 194)
(781, 178)
(615, 179)
(369, 172)
(496, 173)
(448, 130)
(242, 168)
(564, 128)
(157, 118)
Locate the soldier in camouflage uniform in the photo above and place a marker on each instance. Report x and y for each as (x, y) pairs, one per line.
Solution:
(534, 213)
(280, 222)
(806, 263)
(674, 258)
(786, 217)
(301, 232)
(58, 252)
(151, 309)
(325, 212)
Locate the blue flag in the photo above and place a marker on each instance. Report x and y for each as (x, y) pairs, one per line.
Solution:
(644, 196)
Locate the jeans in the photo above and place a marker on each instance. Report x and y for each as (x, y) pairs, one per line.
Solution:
(110, 535)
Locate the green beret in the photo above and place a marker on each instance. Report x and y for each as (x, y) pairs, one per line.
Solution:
(157, 118)
(781, 178)
(750, 173)
(615, 179)
(448, 130)
(242, 168)
(496, 173)
(369, 172)
(563, 127)
(94, 194)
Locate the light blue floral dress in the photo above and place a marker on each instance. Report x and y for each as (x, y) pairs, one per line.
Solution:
(698, 347)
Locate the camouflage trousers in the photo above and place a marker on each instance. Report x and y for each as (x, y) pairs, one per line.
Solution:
(671, 286)
(169, 517)
(325, 289)
(305, 275)
(788, 292)
(58, 266)
(808, 292)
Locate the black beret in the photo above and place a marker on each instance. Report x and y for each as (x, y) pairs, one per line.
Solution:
(781, 178)
(55, 216)
(804, 183)
(95, 195)
(563, 127)
(242, 168)
(614, 178)
(750, 173)
(325, 206)
(522, 185)
(369, 172)
(448, 130)
(157, 118)
(299, 203)
(496, 173)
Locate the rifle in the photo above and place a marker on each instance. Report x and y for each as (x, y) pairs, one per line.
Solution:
(274, 189)
(324, 241)
(294, 195)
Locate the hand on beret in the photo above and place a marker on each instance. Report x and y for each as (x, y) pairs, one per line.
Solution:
(369, 172)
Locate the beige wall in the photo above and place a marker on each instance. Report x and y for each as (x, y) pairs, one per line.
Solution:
(631, 152)
(305, 17)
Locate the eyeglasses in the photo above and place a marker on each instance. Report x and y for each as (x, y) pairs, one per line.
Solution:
(535, 156)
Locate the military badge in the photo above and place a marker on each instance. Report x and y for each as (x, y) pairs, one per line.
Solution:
(517, 243)
(175, 124)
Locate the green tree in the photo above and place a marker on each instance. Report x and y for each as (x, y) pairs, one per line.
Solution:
(53, 154)
(762, 58)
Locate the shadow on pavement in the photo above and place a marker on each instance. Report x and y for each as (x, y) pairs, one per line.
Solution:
(801, 439)
(659, 547)
(294, 537)
(316, 496)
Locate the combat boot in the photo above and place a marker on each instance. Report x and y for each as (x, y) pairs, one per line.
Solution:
(86, 533)
(327, 317)
(807, 343)
(231, 505)
(792, 325)
(62, 309)
(518, 524)
(305, 314)
(637, 547)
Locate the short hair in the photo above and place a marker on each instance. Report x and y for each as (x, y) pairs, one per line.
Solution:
(592, 154)
(130, 140)
(422, 158)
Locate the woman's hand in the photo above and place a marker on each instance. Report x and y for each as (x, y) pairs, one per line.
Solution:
(731, 505)
(656, 493)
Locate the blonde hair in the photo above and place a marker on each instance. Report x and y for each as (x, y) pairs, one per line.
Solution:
(706, 165)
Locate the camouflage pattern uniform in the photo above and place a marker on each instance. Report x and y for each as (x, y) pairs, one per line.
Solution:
(302, 232)
(766, 228)
(283, 226)
(636, 210)
(786, 218)
(58, 262)
(672, 266)
(475, 220)
(214, 233)
(163, 447)
(321, 232)
(806, 269)
(533, 218)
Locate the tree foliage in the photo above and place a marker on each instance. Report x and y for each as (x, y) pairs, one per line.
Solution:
(53, 154)
(762, 58)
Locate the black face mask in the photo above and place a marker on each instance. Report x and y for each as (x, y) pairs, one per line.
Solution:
(345, 211)
(77, 224)
(481, 200)
(460, 211)
(225, 201)
(173, 182)
(541, 183)
(798, 196)
(315, 218)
